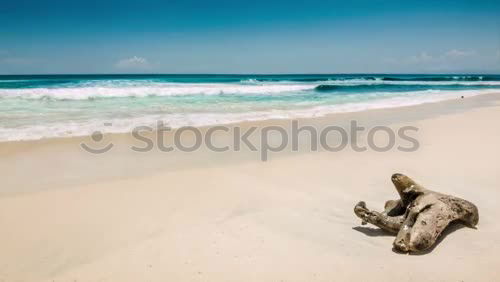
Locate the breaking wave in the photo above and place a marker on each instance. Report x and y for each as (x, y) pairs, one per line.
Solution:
(83, 93)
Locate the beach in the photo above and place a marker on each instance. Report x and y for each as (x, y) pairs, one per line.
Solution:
(69, 215)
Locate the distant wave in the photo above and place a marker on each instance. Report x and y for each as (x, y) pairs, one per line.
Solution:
(9, 84)
(380, 80)
(450, 78)
(445, 78)
(407, 87)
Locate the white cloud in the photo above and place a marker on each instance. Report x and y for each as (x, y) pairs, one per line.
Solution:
(454, 53)
(420, 58)
(451, 55)
(453, 59)
(133, 63)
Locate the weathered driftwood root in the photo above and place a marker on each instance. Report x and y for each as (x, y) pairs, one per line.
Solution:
(419, 216)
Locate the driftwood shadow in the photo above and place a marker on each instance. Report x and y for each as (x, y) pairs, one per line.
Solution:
(372, 232)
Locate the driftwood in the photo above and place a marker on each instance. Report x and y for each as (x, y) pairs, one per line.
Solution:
(419, 216)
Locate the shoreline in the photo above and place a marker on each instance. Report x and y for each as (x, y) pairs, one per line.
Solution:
(486, 97)
(322, 111)
(122, 216)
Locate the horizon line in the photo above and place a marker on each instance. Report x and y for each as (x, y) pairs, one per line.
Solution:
(263, 74)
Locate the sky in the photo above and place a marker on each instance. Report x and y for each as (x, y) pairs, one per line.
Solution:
(234, 36)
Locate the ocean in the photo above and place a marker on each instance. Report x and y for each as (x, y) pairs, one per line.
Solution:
(46, 106)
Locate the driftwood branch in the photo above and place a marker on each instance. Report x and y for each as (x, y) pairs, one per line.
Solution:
(419, 216)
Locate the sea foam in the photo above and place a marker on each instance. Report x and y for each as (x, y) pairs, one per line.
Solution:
(176, 120)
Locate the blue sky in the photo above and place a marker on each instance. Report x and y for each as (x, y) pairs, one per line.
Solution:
(220, 36)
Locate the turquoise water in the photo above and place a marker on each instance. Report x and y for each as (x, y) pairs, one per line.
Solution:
(41, 106)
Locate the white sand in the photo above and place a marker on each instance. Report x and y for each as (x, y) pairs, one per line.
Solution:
(69, 216)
